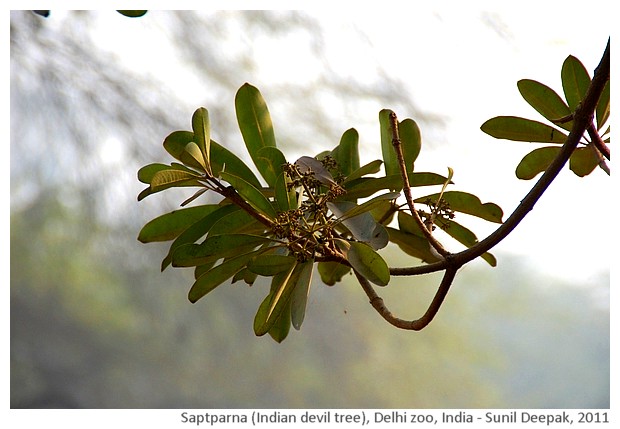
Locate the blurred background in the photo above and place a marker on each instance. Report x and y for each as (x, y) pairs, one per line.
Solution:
(95, 324)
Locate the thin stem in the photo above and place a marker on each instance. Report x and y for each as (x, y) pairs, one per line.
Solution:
(407, 189)
(413, 325)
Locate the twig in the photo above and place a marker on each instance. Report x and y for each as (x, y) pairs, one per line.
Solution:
(582, 120)
(583, 117)
(407, 189)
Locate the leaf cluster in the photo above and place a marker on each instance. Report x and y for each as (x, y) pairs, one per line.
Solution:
(325, 209)
(559, 112)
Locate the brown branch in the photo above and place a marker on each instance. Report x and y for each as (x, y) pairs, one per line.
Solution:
(412, 325)
(582, 120)
(598, 141)
(407, 188)
(583, 117)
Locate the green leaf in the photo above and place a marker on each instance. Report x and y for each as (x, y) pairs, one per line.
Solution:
(361, 208)
(202, 135)
(216, 247)
(146, 173)
(464, 236)
(387, 149)
(282, 325)
(366, 261)
(470, 204)
(332, 272)
(583, 161)
(237, 222)
(299, 296)
(521, 129)
(193, 157)
(224, 160)
(370, 168)
(132, 13)
(199, 229)
(346, 153)
(250, 193)
(411, 141)
(536, 162)
(270, 265)
(285, 199)
(602, 108)
(545, 100)
(171, 225)
(176, 141)
(366, 186)
(255, 125)
(412, 244)
(575, 81)
(282, 286)
(272, 160)
(218, 275)
(169, 178)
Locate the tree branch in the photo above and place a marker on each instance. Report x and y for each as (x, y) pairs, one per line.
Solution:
(582, 122)
(407, 188)
(582, 119)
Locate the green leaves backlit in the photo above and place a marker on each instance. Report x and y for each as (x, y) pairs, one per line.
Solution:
(558, 111)
(328, 210)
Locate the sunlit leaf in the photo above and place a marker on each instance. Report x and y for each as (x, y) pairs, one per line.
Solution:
(271, 264)
(176, 141)
(545, 100)
(170, 225)
(366, 261)
(271, 160)
(536, 162)
(218, 275)
(356, 210)
(299, 296)
(167, 178)
(411, 141)
(346, 153)
(366, 186)
(146, 173)
(193, 157)
(202, 136)
(521, 129)
(470, 204)
(216, 247)
(332, 272)
(198, 230)
(583, 161)
(255, 125)
(250, 193)
(575, 81)
(286, 198)
(223, 159)
(282, 286)
(370, 168)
